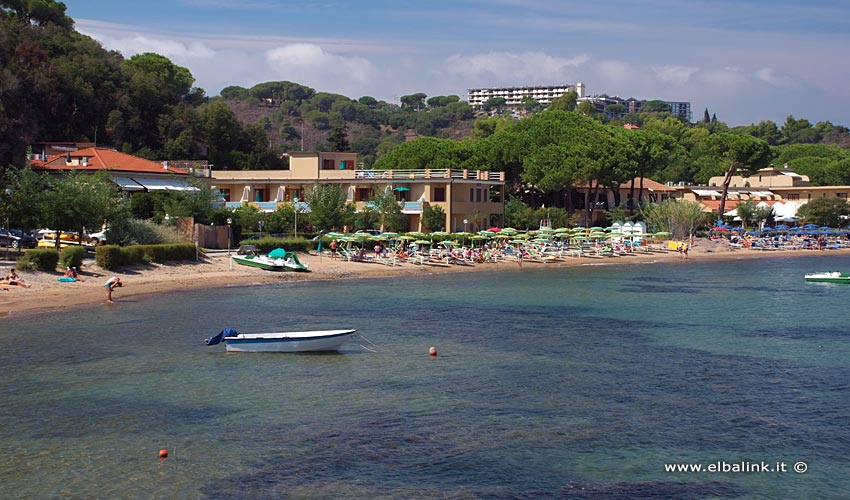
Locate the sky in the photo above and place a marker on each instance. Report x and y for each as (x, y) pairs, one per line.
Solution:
(744, 60)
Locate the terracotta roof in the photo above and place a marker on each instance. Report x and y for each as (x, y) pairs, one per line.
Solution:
(104, 159)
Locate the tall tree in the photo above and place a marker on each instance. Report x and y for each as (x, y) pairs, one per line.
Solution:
(338, 138)
(565, 102)
(328, 206)
(742, 153)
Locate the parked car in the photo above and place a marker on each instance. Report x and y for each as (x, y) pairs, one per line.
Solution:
(15, 238)
(98, 237)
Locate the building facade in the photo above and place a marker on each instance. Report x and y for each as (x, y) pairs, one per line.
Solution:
(471, 199)
(780, 188)
(544, 94)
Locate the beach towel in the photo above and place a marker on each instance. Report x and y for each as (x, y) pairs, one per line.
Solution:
(67, 279)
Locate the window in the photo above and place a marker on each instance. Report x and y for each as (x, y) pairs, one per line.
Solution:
(259, 195)
(478, 195)
(795, 196)
(364, 194)
(439, 194)
(327, 164)
(842, 195)
(471, 194)
(225, 194)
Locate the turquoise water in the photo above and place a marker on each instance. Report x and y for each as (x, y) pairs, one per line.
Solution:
(550, 383)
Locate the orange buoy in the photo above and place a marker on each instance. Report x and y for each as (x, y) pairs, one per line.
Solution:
(432, 351)
(163, 453)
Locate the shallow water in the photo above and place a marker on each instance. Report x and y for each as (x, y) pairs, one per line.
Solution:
(550, 382)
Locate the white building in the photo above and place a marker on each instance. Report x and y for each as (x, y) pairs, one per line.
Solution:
(544, 94)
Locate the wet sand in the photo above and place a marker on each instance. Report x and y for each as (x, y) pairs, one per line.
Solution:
(215, 270)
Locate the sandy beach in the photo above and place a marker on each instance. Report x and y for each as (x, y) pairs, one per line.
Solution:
(215, 270)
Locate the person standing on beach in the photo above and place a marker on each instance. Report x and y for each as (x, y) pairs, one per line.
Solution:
(110, 285)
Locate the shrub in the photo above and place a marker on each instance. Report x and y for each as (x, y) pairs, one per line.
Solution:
(142, 232)
(267, 244)
(72, 256)
(40, 259)
(113, 256)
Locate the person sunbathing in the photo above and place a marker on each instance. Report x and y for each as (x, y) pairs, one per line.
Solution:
(13, 279)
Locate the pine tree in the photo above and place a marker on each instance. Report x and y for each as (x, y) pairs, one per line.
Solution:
(338, 138)
(705, 117)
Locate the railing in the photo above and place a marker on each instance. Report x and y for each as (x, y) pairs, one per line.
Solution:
(429, 173)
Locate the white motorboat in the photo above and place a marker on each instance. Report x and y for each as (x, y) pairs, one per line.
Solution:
(310, 341)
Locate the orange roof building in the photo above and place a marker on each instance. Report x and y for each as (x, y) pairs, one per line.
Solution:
(129, 172)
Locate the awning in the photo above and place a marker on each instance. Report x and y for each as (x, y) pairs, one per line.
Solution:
(166, 184)
(127, 184)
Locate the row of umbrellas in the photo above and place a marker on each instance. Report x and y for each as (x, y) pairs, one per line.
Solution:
(509, 234)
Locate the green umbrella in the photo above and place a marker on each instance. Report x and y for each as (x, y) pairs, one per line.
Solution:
(423, 242)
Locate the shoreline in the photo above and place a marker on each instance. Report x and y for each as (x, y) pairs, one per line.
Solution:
(47, 294)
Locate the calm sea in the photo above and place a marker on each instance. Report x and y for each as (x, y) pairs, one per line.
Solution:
(550, 383)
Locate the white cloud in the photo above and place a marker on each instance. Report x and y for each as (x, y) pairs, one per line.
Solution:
(311, 65)
(723, 78)
(499, 68)
(139, 44)
(768, 75)
(676, 75)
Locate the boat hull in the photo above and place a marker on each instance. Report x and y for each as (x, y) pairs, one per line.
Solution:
(828, 278)
(317, 341)
(259, 264)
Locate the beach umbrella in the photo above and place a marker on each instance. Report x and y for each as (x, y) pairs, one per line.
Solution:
(401, 188)
(405, 237)
(423, 242)
(389, 235)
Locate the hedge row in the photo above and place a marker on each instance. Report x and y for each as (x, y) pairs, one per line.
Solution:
(39, 259)
(267, 244)
(114, 257)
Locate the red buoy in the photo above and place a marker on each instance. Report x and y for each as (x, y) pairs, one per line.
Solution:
(432, 351)
(163, 453)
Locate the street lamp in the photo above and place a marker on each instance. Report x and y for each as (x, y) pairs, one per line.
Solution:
(166, 219)
(295, 205)
(261, 223)
(229, 222)
(8, 231)
(465, 222)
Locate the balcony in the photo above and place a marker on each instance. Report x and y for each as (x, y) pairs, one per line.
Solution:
(448, 173)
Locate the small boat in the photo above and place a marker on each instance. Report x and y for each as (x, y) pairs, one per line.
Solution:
(315, 341)
(277, 260)
(259, 261)
(829, 277)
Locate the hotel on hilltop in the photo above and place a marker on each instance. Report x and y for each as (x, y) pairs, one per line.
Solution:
(544, 94)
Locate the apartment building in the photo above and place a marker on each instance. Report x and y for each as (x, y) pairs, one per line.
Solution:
(544, 94)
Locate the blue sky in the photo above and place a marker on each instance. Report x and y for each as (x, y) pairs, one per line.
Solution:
(744, 60)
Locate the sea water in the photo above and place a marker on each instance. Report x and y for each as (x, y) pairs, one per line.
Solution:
(579, 382)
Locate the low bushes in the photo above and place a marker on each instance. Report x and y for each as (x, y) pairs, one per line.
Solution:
(72, 256)
(39, 259)
(114, 257)
(267, 244)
